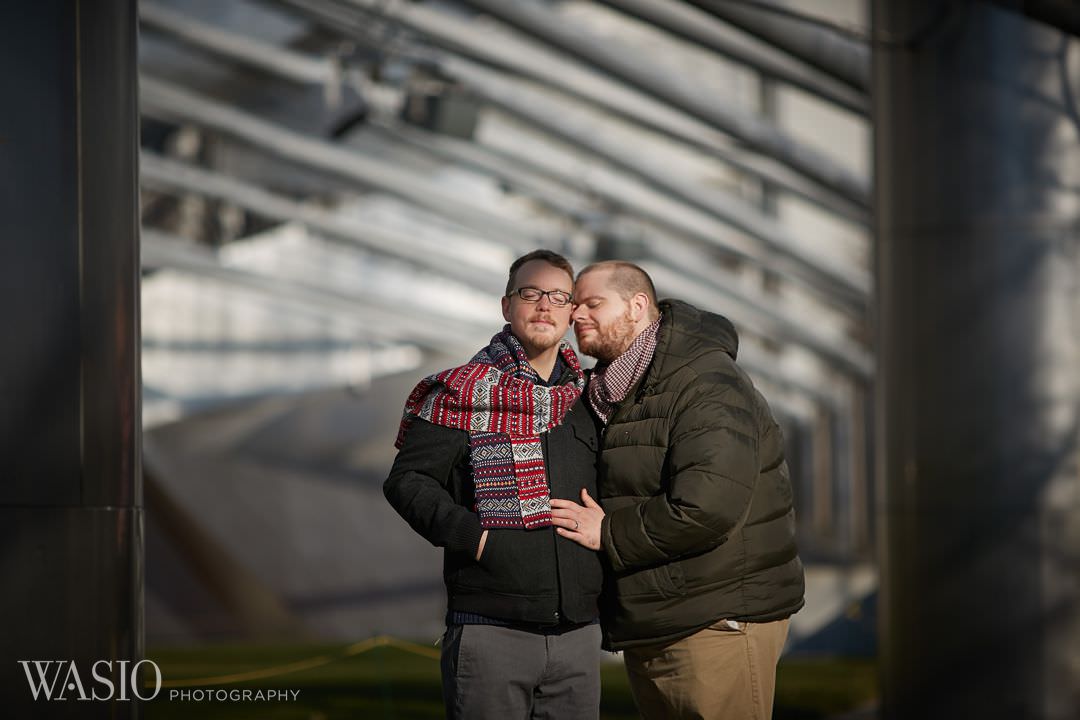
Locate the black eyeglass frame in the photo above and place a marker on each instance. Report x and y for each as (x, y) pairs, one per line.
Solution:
(550, 296)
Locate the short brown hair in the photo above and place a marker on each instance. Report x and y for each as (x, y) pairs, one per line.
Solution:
(548, 256)
(627, 279)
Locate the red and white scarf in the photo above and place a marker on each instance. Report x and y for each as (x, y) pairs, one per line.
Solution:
(498, 399)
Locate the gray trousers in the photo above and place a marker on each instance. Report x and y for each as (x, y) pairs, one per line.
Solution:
(509, 674)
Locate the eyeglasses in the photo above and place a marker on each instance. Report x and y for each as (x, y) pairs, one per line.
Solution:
(558, 298)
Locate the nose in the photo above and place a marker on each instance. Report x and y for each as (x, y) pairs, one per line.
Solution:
(544, 303)
(578, 313)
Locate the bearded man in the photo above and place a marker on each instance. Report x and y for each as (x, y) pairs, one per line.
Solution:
(695, 516)
(483, 450)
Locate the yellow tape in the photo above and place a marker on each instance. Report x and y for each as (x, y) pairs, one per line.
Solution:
(308, 663)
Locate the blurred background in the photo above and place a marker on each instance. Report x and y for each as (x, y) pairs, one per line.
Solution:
(329, 193)
(331, 196)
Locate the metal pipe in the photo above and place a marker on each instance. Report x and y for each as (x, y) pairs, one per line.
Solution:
(776, 248)
(565, 195)
(165, 100)
(711, 202)
(766, 319)
(254, 53)
(175, 176)
(692, 24)
(633, 199)
(841, 56)
(503, 49)
(753, 309)
(196, 180)
(714, 203)
(381, 319)
(624, 63)
(162, 173)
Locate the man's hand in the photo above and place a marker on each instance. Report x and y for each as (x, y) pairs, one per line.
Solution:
(580, 523)
(483, 541)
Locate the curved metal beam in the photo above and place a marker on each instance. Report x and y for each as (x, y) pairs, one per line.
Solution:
(166, 100)
(682, 271)
(841, 57)
(729, 210)
(755, 308)
(767, 319)
(627, 65)
(175, 176)
(250, 51)
(529, 58)
(699, 27)
(564, 196)
(849, 283)
(381, 318)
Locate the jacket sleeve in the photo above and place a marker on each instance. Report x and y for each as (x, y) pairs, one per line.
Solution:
(711, 465)
(419, 487)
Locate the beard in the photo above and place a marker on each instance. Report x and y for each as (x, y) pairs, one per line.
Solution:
(538, 341)
(611, 340)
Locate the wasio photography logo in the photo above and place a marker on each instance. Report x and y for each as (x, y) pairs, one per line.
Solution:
(119, 680)
(103, 680)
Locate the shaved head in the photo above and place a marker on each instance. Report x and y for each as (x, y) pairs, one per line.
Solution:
(627, 279)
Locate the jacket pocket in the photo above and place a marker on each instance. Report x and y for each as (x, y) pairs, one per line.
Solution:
(665, 581)
(586, 435)
(488, 559)
(514, 562)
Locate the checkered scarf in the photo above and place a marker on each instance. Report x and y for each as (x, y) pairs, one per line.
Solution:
(497, 397)
(610, 383)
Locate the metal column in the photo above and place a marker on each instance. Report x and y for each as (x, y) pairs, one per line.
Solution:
(977, 162)
(71, 524)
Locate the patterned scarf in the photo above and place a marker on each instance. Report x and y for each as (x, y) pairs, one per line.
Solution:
(610, 383)
(497, 397)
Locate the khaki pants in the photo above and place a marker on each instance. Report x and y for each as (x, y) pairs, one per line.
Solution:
(718, 672)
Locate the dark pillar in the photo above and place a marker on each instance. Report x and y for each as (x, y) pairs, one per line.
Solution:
(977, 170)
(71, 523)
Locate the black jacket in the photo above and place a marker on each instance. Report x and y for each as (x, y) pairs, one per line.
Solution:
(699, 523)
(526, 576)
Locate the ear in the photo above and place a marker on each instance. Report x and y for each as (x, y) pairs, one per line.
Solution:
(639, 306)
(506, 308)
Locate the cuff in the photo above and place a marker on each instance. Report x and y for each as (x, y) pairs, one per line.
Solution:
(607, 543)
(466, 536)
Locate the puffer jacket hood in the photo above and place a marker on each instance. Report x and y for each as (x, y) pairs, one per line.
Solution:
(692, 332)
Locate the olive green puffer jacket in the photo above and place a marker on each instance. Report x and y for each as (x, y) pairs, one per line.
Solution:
(699, 522)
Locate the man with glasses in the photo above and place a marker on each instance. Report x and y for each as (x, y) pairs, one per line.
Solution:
(483, 449)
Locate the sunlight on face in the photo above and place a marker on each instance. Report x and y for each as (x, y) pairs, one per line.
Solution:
(602, 319)
(539, 325)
